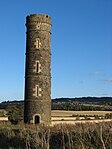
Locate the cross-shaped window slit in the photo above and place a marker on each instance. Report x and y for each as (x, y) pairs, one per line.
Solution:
(37, 43)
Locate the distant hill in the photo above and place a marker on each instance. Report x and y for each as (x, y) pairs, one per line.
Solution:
(76, 104)
(85, 100)
(82, 100)
(8, 104)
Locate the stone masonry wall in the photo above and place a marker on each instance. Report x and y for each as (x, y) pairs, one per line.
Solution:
(38, 83)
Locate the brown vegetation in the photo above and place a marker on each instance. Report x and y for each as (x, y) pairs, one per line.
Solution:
(78, 136)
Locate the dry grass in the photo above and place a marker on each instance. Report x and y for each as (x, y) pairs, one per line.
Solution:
(3, 118)
(79, 136)
(73, 122)
(70, 117)
(63, 113)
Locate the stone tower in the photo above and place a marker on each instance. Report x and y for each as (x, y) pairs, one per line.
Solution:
(37, 106)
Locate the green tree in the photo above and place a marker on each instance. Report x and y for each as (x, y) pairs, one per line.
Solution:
(15, 115)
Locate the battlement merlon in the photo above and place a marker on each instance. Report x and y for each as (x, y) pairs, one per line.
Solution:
(41, 18)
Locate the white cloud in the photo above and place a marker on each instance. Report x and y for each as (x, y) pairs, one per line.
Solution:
(108, 80)
(96, 73)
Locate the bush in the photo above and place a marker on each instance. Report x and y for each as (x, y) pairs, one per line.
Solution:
(15, 115)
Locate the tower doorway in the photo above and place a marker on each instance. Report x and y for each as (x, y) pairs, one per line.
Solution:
(36, 119)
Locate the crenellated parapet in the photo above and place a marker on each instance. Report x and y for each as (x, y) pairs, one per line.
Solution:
(38, 22)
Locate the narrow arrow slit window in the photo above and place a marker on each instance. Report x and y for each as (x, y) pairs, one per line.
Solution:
(37, 67)
(37, 90)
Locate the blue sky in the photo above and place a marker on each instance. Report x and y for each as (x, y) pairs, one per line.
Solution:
(81, 46)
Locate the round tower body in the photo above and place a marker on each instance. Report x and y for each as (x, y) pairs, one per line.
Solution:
(37, 105)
